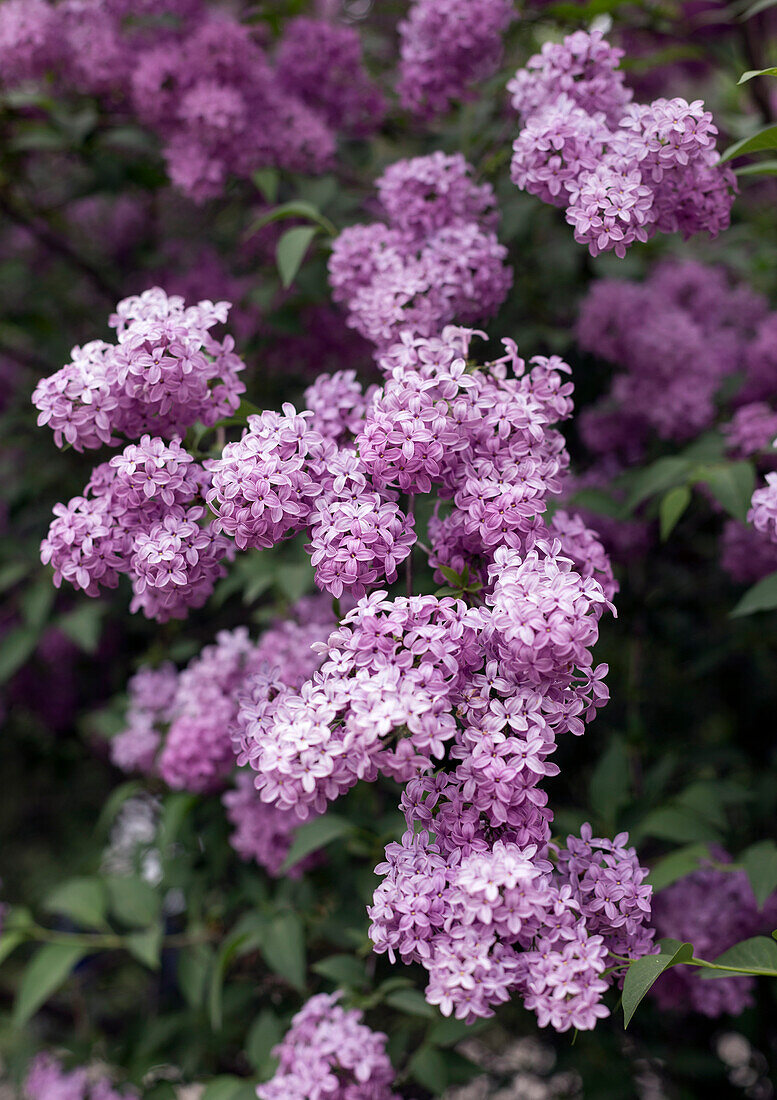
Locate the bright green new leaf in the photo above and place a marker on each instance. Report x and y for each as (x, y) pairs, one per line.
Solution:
(48, 969)
(756, 143)
(756, 72)
(643, 973)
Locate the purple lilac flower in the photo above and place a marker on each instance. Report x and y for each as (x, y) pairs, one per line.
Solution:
(47, 1080)
(446, 48)
(623, 171)
(329, 1054)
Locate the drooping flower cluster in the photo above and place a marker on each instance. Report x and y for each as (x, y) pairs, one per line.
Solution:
(329, 1054)
(712, 909)
(141, 514)
(622, 171)
(47, 1079)
(437, 260)
(446, 48)
(183, 725)
(165, 372)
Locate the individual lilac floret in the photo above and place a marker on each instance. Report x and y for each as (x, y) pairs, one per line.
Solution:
(437, 261)
(329, 1054)
(321, 63)
(763, 508)
(165, 372)
(447, 47)
(622, 171)
(713, 910)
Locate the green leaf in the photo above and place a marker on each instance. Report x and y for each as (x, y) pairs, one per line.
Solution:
(661, 475)
(229, 948)
(760, 863)
(84, 625)
(598, 501)
(673, 504)
(412, 1002)
(146, 946)
(756, 143)
(732, 485)
(761, 597)
(9, 941)
(609, 787)
(452, 577)
(314, 835)
(297, 209)
(760, 168)
(267, 181)
(291, 249)
(759, 954)
(48, 969)
(344, 970)
(283, 948)
(757, 72)
(132, 901)
(15, 650)
(679, 824)
(264, 1034)
(82, 900)
(676, 865)
(428, 1067)
(36, 603)
(643, 973)
(177, 806)
(229, 1088)
(193, 966)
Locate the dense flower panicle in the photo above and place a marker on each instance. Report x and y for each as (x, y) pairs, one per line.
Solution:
(321, 64)
(222, 110)
(446, 48)
(48, 1080)
(265, 485)
(675, 338)
(339, 405)
(623, 171)
(713, 910)
(438, 259)
(587, 553)
(752, 430)
(165, 372)
(262, 833)
(329, 1054)
(142, 514)
(27, 39)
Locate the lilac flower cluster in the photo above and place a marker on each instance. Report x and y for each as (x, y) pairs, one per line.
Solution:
(447, 47)
(621, 171)
(165, 372)
(329, 1054)
(712, 909)
(201, 80)
(181, 725)
(48, 1080)
(675, 338)
(437, 260)
(141, 514)
(463, 704)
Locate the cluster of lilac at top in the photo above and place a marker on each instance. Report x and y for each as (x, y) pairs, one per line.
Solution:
(47, 1079)
(179, 724)
(329, 1054)
(447, 47)
(201, 80)
(690, 347)
(437, 259)
(713, 909)
(409, 682)
(622, 171)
